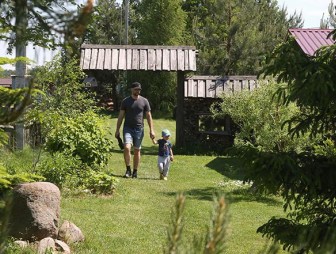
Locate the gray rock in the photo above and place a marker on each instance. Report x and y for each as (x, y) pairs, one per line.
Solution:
(70, 233)
(35, 211)
(46, 245)
(62, 247)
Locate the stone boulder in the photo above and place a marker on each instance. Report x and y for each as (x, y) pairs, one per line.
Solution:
(35, 211)
(70, 233)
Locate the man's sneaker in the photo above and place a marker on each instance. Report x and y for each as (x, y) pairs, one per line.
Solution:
(128, 174)
(161, 176)
(135, 174)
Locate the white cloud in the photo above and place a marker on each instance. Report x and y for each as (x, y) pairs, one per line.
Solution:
(312, 10)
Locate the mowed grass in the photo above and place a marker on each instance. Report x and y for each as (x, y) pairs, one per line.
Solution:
(135, 219)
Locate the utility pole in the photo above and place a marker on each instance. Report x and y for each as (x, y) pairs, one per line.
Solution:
(19, 80)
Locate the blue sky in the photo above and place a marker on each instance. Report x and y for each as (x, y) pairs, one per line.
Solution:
(312, 11)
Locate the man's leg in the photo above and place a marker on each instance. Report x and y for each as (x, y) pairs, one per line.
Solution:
(127, 151)
(137, 139)
(136, 162)
(127, 159)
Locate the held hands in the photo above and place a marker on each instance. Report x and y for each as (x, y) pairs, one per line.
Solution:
(152, 135)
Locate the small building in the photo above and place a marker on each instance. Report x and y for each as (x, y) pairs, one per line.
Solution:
(201, 131)
(311, 40)
(6, 82)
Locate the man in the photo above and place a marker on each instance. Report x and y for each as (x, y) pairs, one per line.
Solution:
(133, 108)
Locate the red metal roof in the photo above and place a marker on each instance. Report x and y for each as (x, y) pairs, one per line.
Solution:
(311, 40)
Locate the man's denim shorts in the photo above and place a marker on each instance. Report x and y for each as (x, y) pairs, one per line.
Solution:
(133, 136)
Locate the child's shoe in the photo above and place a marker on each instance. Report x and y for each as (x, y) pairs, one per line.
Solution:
(165, 178)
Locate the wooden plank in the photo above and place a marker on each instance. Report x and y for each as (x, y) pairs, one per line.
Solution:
(158, 59)
(129, 59)
(192, 60)
(237, 87)
(94, 57)
(220, 85)
(252, 85)
(165, 60)
(101, 58)
(82, 57)
(186, 87)
(135, 59)
(209, 88)
(186, 59)
(245, 85)
(173, 60)
(151, 59)
(191, 88)
(201, 88)
(122, 59)
(228, 86)
(115, 59)
(143, 59)
(180, 60)
(108, 59)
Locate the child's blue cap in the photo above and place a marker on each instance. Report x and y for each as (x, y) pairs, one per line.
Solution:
(165, 133)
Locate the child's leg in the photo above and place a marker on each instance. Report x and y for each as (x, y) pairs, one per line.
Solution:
(161, 162)
(166, 166)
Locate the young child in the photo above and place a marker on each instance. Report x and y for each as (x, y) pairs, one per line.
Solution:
(165, 154)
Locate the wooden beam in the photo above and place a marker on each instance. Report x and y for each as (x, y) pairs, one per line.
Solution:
(179, 140)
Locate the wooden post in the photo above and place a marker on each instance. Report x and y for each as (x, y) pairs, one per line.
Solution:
(179, 140)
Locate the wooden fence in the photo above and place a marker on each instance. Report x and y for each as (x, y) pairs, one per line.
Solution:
(213, 86)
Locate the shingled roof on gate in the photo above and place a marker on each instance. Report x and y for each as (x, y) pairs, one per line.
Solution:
(138, 57)
(311, 40)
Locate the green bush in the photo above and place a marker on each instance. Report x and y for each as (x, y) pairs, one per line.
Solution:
(8, 181)
(80, 135)
(261, 118)
(100, 183)
(61, 169)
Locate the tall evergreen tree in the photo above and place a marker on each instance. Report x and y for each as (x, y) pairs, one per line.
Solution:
(331, 20)
(234, 36)
(160, 22)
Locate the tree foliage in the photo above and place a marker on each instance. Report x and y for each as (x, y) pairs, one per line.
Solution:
(260, 119)
(234, 36)
(107, 26)
(159, 23)
(305, 179)
(49, 22)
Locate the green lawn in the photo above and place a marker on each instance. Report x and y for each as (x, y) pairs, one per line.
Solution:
(136, 217)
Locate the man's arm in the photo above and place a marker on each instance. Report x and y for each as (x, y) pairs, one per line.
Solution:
(150, 124)
(119, 122)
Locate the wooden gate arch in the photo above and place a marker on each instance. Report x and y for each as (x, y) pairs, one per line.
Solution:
(179, 59)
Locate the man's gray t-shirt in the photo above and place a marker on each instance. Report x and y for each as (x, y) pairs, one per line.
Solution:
(134, 111)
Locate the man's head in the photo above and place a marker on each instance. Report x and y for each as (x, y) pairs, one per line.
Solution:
(135, 88)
